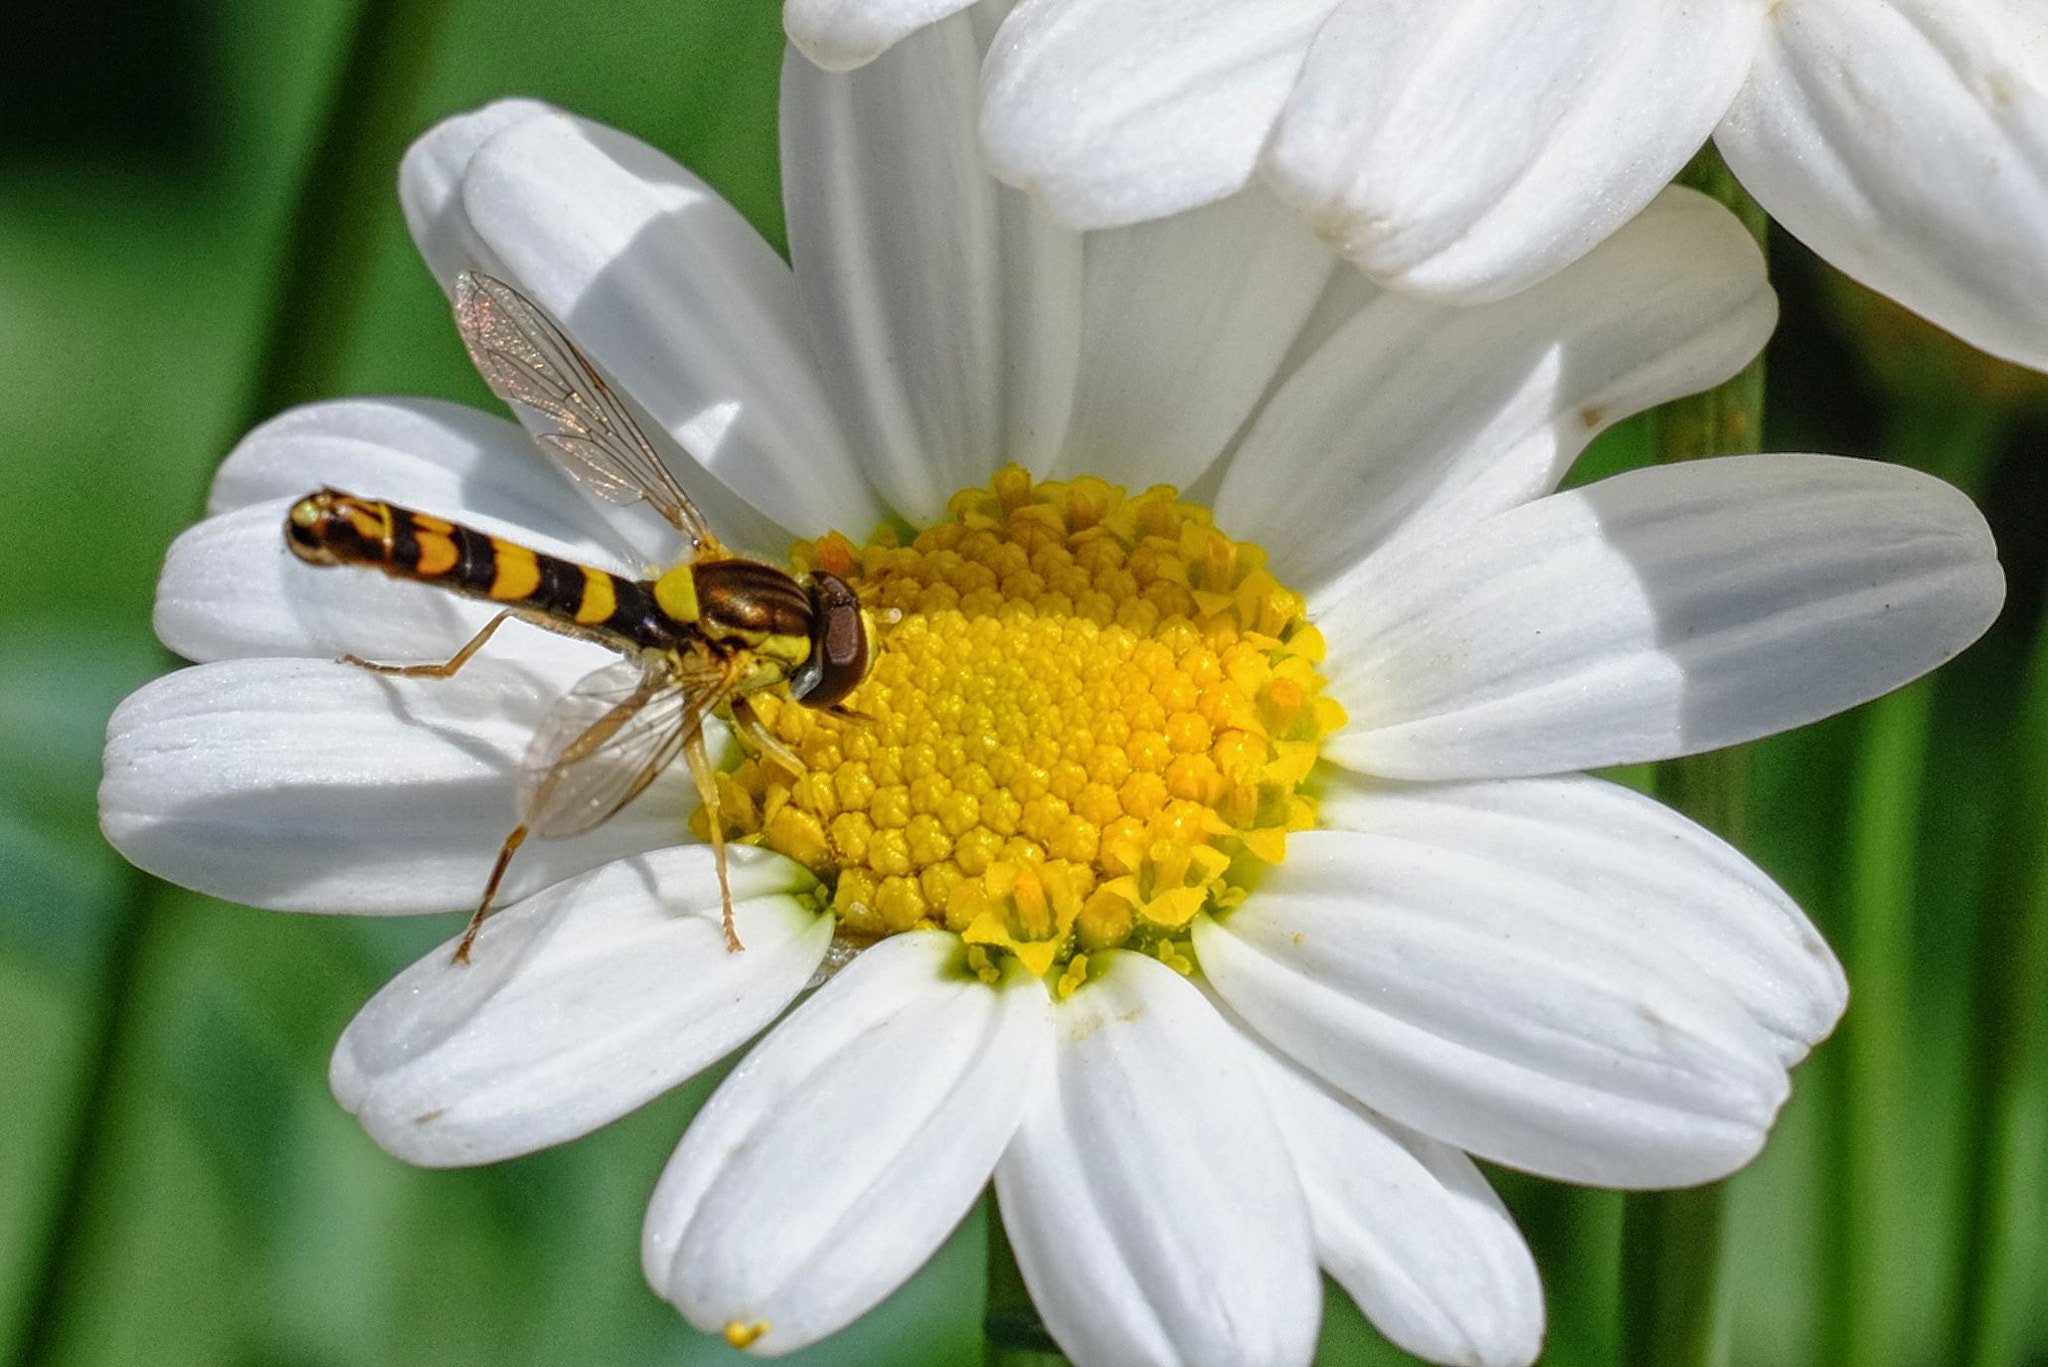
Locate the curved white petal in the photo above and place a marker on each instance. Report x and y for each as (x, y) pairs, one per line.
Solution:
(1496, 1014)
(306, 785)
(946, 308)
(1658, 613)
(230, 589)
(837, 1157)
(1907, 142)
(840, 35)
(1116, 111)
(1667, 883)
(1410, 1228)
(1184, 324)
(1148, 1195)
(430, 184)
(1415, 417)
(577, 1005)
(683, 306)
(1345, 295)
(441, 458)
(1466, 149)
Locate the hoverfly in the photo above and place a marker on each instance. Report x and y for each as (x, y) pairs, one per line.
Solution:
(698, 639)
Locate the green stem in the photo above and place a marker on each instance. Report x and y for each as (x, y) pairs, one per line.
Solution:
(1728, 419)
(2004, 1187)
(1864, 1244)
(1671, 1272)
(1873, 934)
(325, 259)
(1671, 1260)
(1010, 1324)
(323, 263)
(107, 1036)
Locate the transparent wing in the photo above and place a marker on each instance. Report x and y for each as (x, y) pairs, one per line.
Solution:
(527, 361)
(608, 738)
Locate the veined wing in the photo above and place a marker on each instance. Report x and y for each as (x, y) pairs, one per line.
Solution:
(527, 360)
(608, 738)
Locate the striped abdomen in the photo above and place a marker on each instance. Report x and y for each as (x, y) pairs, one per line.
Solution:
(333, 528)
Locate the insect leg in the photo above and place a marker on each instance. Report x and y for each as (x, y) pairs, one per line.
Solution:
(753, 733)
(476, 922)
(476, 643)
(440, 671)
(707, 791)
(562, 628)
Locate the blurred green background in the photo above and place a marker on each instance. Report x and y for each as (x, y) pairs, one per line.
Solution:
(176, 1186)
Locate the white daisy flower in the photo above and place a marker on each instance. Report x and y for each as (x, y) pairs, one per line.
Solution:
(1216, 869)
(1464, 149)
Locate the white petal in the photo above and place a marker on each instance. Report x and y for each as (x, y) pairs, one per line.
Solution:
(441, 458)
(945, 307)
(1495, 1014)
(1117, 111)
(1907, 142)
(840, 35)
(837, 1157)
(1468, 148)
(305, 785)
(230, 589)
(579, 1004)
(1632, 863)
(1345, 295)
(1662, 612)
(1148, 1195)
(1185, 323)
(1416, 417)
(1410, 1228)
(430, 184)
(682, 305)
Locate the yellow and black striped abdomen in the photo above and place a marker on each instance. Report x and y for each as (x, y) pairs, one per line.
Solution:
(334, 528)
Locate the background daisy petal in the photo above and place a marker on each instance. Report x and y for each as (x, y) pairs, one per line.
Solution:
(1906, 141)
(305, 785)
(1185, 323)
(1414, 419)
(1116, 111)
(1658, 613)
(844, 1149)
(1469, 148)
(1496, 1013)
(1409, 1228)
(840, 35)
(932, 290)
(1148, 1195)
(577, 1005)
(683, 306)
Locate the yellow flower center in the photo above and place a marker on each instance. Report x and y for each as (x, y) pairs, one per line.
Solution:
(1090, 717)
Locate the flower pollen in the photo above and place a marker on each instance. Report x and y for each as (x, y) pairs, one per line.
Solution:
(743, 1336)
(1089, 719)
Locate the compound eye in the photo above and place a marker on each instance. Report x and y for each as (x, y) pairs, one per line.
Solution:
(839, 642)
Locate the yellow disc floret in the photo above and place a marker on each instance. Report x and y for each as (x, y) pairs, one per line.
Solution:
(1090, 717)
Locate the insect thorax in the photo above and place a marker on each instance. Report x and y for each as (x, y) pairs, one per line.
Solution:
(741, 603)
